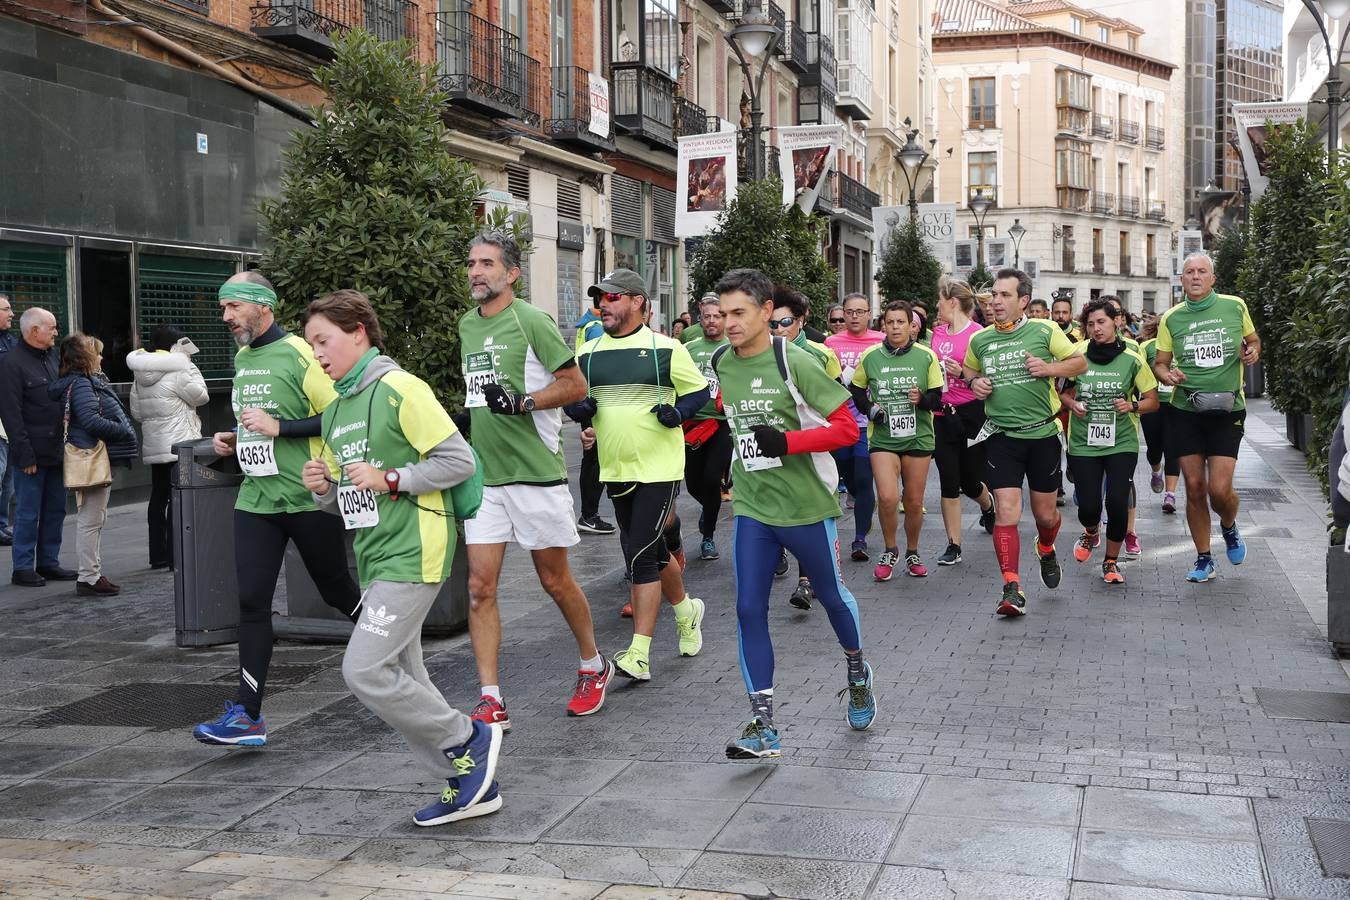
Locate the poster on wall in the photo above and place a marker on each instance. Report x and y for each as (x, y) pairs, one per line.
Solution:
(964, 257)
(1032, 267)
(1188, 241)
(1253, 131)
(599, 105)
(996, 255)
(805, 158)
(937, 220)
(705, 181)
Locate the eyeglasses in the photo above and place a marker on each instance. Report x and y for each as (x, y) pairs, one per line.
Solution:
(785, 322)
(856, 312)
(610, 297)
(836, 321)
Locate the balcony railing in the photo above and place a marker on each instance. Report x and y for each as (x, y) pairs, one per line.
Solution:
(1103, 126)
(1072, 121)
(779, 19)
(569, 118)
(311, 25)
(690, 118)
(821, 68)
(1127, 131)
(794, 49)
(1099, 263)
(1101, 202)
(1156, 211)
(643, 103)
(1157, 137)
(981, 117)
(1153, 267)
(855, 196)
(743, 158)
(1126, 265)
(726, 7)
(482, 67)
(1129, 206)
(1066, 260)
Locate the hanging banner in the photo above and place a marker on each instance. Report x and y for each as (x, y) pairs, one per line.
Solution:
(1252, 132)
(705, 181)
(805, 158)
(997, 253)
(1188, 241)
(599, 104)
(938, 221)
(964, 257)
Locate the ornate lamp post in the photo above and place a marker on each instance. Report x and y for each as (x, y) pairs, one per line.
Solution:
(755, 38)
(1331, 9)
(1016, 232)
(979, 207)
(912, 157)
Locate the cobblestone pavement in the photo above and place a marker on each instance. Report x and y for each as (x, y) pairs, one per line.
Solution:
(1108, 746)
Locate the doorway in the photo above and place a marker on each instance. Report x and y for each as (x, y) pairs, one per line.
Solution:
(105, 306)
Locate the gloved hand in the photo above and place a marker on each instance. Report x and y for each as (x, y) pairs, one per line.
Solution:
(462, 422)
(771, 441)
(877, 414)
(581, 412)
(500, 400)
(667, 415)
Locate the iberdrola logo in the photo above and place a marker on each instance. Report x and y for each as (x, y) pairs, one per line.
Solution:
(487, 342)
(756, 382)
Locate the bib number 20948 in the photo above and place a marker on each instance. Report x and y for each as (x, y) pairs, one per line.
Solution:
(257, 458)
(357, 506)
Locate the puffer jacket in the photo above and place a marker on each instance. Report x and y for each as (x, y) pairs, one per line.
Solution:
(165, 392)
(96, 415)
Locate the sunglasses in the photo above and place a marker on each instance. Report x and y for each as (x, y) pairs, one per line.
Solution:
(785, 322)
(610, 297)
(836, 321)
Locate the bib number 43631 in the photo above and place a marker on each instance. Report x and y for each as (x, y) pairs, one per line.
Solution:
(257, 458)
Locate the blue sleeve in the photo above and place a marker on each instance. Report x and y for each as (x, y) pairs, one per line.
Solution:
(86, 407)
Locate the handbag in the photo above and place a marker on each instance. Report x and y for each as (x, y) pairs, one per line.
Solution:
(83, 468)
(698, 432)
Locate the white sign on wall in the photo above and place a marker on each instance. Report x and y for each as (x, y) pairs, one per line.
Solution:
(706, 180)
(938, 221)
(599, 103)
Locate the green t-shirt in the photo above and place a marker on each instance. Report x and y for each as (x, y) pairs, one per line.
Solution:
(701, 351)
(627, 377)
(520, 349)
(889, 376)
(282, 379)
(798, 489)
(394, 422)
(1019, 399)
(691, 334)
(1205, 340)
(1149, 349)
(1104, 431)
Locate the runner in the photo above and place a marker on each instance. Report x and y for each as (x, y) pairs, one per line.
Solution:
(404, 523)
(707, 438)
(1012, 366)
(854, 463)
(834, 319)
(1210, 337)
(897, 386)
(785, 413)
(1165, 467)
(1133, 548)
(588, 479)
(517, 375)
(960, 463)
(693, 331)
(1061, 312)
(1103, 431)
(277, 395)
(1037, 309)
(642, 387)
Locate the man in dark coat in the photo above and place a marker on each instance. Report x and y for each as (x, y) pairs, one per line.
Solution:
(7, 343)
(33, 421)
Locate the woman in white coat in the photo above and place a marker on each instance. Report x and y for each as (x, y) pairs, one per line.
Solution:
(165, 393)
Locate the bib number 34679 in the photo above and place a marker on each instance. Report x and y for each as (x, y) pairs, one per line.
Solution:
(357, 506)
(256, 457)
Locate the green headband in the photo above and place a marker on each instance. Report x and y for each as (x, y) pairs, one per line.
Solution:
(248, 292)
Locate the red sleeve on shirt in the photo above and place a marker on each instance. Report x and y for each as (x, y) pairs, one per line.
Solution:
(841, 431)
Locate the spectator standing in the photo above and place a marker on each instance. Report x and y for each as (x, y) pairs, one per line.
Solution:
(7, 343)
(166, 390)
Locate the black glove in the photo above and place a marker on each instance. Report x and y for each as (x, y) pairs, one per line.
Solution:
(500, 400)
(462, 422)
(771, 441)
(667, 415)
(877, 414)
(581, 412)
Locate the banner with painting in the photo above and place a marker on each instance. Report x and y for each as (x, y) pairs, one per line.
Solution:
(806, 156)
(936, 220)
(706, 179)
(1252, 132)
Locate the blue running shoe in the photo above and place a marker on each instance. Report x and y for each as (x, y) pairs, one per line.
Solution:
(758, 740)
(234, 729)
(475, 765)
(708, 549)
(451, 808)
(1237, 547)
(1203, 571)
(862, 703)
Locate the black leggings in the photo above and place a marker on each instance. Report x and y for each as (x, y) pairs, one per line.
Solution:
(641, 511)
(589, 482)
(159, 514)
(1153, 436)
(259, 549)
(960, 468)
(1118, 472)
(703, 469)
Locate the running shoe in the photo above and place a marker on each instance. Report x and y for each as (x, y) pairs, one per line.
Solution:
(1050, 570)
(885, 565)
(987, 519)
(1082, 548)
(491, 711)
(1014, 602)
(758, 740)
(915, 566)
(782, 568)
(234, 729)
(589, 694)
(1132, 546)
(860, 550)
(1059, 499)
(1111, 573)
(801, 597)
(691, 629)
(1203, 569)
(594, 525)
(627, 609)
(862, 703)
(1169, 503)
(633, 665)
(1155, 482)
(951, 556)
(708, 550)
(449, 808)
(475, 764)
(1237, 547)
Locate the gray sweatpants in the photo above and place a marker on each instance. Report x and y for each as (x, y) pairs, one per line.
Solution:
(383, 668)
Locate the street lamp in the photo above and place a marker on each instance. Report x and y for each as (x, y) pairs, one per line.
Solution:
(1333, 9)
(912, 157)
(979, 207)
(1016, 232)
(755, 38)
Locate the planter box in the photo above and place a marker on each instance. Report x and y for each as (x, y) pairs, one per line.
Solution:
(1306, 432)
(1338, 599)
(1292, 426)
(1254, 380)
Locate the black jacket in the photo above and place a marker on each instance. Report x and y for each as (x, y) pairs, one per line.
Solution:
(96, 415)
(31, 417)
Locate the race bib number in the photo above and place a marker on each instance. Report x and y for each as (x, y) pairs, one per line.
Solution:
(987, 430)
(747, 448)
(478, 373)
(902, 424)
(357, 506)
(711, 374)
(1101, 426)
(257, 456)
(1208, 352)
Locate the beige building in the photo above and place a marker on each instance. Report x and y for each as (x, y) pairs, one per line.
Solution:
(902, 51)
(1057, 116)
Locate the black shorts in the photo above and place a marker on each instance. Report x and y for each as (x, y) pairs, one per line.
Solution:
(1010, 460)
(1187, 433)
(914, 453)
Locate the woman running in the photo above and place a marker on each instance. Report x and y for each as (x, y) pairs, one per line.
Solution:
(1166, 468)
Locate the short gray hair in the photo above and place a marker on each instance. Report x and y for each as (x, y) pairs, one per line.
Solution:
(505, 244)
(710, 299)
(1199, 254)
(32, 317)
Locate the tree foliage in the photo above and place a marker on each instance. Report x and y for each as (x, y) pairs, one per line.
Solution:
(1229, 252)
(756, 231)
(909, 270)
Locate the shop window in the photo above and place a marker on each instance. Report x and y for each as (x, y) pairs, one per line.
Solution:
(181, 290)
(35, 275)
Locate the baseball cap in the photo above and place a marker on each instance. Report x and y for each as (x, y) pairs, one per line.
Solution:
(620, 281)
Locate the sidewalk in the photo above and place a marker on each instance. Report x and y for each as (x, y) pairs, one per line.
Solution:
(1111, 745)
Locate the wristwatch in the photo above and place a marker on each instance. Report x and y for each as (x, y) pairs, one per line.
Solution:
(391, 481)
(527, 404)
(1134, 406)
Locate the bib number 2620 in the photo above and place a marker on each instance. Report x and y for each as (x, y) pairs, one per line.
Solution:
(747, 448)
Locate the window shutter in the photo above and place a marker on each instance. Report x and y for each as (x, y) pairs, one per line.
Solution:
(569, 200)
(663, 215)
(626, 215)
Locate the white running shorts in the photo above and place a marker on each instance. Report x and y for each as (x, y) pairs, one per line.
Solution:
(537, 517)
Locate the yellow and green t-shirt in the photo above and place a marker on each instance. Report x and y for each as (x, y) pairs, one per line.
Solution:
(1205, 340)
(1021, 404)
(1104, 431)
(888, 375)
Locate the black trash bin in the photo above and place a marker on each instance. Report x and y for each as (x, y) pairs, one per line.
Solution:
(206, 595)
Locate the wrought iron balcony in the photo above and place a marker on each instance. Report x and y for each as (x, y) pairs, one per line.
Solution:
(1126, 265)
(1156, 210)
(1101, 202)
(1127, 131)
(642, 102)
(1157, 137)
(854, 196)
(778, 18)
(1099, 263)
(1153, 267)
(726, 7)
(1129, 206)
(570, 115)
(794, 49)
(982, 116)
(690, 118)
(311, 25)
(1103, 126)
(481, 66)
